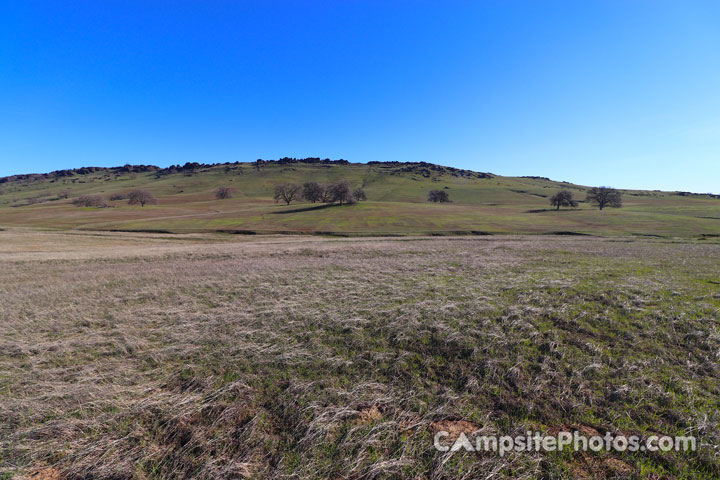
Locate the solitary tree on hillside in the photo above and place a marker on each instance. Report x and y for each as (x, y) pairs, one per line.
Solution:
(438, 196)
(287, 192)
(141, 197)
(313, 192)
(604, 197)
(359, 194)
(223, 193)
(563, 198)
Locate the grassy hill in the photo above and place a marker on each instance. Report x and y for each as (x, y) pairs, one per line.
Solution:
(481, 203)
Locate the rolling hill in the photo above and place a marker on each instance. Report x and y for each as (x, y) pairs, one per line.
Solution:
(482, 203)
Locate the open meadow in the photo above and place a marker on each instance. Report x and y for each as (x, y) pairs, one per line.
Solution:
(144, 356)
(360, 240)
(396, 202)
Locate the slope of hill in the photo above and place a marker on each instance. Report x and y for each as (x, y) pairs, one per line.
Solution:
(481, 202)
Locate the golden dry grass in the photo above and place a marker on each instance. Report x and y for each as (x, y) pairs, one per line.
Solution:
(201, 356)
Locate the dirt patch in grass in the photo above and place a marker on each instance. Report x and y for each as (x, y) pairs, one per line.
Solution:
(46, 473)
(369, 415)
(454, 427)
(594, 467)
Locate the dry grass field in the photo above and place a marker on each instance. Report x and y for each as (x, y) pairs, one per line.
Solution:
(148, 356)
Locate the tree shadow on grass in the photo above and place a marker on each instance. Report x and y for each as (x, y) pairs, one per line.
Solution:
(305, 209)
(541, 210)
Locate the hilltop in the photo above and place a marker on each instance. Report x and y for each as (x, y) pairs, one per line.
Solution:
(482, 203)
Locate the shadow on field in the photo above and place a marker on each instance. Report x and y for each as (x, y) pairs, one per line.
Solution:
(570, 233)
(304, 209)
(541, 210)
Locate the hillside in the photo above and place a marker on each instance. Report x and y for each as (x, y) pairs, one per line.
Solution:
(481, 202)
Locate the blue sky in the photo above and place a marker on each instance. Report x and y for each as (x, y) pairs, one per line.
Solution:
(622, 93)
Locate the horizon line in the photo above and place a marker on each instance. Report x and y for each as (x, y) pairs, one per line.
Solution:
(340, 161)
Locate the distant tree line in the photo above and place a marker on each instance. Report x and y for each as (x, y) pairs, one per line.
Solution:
(601, 197)
(332, 193)
(426, 169)
(79, 171)
(189, 168)
(311, 160)
(136, 197)
(97, 201)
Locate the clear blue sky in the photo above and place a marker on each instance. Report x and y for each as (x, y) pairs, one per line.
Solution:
(623, 93)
